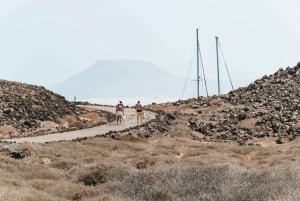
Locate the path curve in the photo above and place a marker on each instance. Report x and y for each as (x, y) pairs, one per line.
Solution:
(89, 132)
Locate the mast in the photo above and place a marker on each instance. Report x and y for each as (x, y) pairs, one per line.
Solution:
(198, 77)
(218, 71)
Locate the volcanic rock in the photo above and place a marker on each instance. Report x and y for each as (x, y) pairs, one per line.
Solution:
(268, 107)
(25, 109)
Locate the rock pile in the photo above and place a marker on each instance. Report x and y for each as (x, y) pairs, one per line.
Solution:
(269, 107)
(24, 107)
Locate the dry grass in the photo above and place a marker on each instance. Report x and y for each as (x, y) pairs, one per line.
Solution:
(7, 130)
(68, 121)
(92, 117)
(49, 126)
(157, 169)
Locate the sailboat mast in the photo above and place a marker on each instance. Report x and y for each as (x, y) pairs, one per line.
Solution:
(198, 77)
(218, 71)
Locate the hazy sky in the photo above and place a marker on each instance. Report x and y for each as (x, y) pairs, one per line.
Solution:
(46, 41)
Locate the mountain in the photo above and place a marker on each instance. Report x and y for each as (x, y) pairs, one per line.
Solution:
(121, 78)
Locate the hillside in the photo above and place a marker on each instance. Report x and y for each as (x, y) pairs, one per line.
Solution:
(121, 78)
(190, 152)
(267, 108)
(33, 110)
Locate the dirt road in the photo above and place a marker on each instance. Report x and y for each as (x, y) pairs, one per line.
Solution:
(130, 121)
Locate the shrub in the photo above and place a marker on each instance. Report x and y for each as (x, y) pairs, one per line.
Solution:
(210, 182)
(93, 176)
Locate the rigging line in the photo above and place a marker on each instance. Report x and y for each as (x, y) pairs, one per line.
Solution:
(187, 77)
(203, 70)
(226, 66)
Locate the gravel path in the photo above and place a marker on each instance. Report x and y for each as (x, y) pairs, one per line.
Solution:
(98, 130)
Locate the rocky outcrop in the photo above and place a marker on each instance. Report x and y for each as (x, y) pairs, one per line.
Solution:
(25, 108)
(269, 107)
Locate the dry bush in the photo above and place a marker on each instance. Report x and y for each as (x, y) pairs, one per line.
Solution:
(64, 164)
(9, 166)
(41, 184)
(257, 185)
(93, 176)
(210, 182)
(9, 194)
(64, 189)
(69, 121)
(25, 194)
(243, 150)
(101, 174)
(41, 173)
(80, 171)
(93, 117)
(38, 196)
(196, 152)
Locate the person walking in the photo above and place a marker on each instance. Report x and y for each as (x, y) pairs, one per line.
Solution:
(119, 112)
(123, 116)
(139, 111)
(121, 103)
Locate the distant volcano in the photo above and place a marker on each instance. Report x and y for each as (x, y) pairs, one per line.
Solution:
(121, 78)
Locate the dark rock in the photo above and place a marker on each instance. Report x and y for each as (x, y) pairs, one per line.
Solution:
(171, 116)
(242, 116)
(16, 151)
(279, 141)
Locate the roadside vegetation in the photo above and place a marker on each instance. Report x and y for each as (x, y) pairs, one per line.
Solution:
(162, 168)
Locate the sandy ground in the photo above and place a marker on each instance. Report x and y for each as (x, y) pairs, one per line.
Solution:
(129, 122)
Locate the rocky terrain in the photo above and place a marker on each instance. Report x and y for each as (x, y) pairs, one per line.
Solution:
(33, 110)
(267, 108)
(176, 156)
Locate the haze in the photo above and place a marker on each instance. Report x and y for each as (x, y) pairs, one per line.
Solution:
(46, 42)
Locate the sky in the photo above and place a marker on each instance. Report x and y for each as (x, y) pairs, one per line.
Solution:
(46, 42)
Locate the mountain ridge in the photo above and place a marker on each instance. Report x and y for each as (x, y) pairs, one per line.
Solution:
(121, 78)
